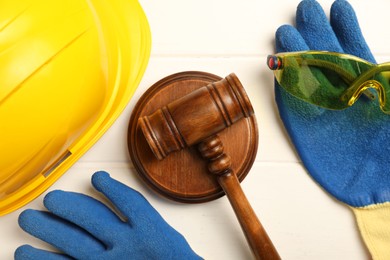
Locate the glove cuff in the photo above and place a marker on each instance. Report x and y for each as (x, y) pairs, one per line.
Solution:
(374, 225)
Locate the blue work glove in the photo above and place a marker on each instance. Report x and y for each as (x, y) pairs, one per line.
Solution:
(82, 227)
(347, 151)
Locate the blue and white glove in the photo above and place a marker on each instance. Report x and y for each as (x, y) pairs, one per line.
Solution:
(347, 151)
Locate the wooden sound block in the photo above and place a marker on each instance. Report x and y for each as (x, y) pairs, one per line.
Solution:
(183, 176)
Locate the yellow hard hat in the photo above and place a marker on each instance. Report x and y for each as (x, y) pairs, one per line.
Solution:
(67, 70)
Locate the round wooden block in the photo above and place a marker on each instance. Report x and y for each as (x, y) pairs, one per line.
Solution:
(183, 175)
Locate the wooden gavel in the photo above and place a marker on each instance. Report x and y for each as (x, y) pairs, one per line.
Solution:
(195, 119)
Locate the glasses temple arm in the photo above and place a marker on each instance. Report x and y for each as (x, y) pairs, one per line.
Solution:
(347, 77)
(365, 81)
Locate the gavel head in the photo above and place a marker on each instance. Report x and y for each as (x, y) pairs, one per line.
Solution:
(196, 116)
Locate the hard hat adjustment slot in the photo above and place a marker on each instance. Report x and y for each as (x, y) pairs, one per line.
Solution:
(56, 164)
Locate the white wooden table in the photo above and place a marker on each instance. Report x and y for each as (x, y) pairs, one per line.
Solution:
(220, 37)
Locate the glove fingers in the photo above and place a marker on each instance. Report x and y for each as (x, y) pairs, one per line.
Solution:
(288, 39)
(27, 252)
(346, 26)
(314, 27)
(130, 202)
(85, 212)
(61, 234)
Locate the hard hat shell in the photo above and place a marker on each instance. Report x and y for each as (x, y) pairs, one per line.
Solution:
(67, 70)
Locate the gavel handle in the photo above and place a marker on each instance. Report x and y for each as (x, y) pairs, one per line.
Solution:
(255, 234)
(219, 164)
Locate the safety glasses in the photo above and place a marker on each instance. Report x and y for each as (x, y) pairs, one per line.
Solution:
(331, 80)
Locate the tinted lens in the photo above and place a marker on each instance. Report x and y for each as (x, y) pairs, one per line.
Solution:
(318, 78)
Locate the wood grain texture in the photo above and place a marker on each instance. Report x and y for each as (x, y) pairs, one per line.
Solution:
(196, 118)
(219, 165)
(182, 175)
